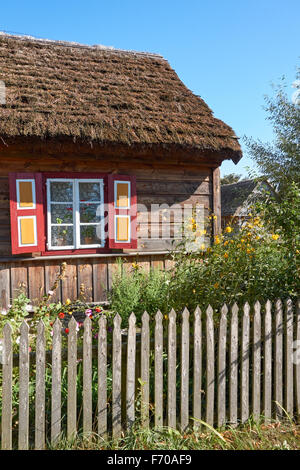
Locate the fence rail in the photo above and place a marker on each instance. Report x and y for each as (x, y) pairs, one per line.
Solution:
(220, 367)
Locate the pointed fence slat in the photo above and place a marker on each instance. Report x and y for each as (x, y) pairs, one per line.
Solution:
(197, 368)
(278, 367)
(130, 378)
(158, 370)
(24, 387)
(256, 361)
(185, 346)
(56, 383)
(268, 363)
(233, 367)
(72, 380)
(40, 388)
(145, 373)
(7, 388)
(288, 358)
(245, 353)
(222, 367)
(87, 378)
(297, 360)
(172, 370)
(210, 367)
(116, 377)
(102, 377)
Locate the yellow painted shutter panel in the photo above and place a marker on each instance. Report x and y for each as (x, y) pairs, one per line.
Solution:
(27, 231)
(122, 195)
(122, 229)
(26, 194)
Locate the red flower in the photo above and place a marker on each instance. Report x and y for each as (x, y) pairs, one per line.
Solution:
(67, 330)
(98, 309)
(61, 315)
(51, 323)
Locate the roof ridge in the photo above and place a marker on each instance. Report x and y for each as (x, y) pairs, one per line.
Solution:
(252, 180)
(49, 42)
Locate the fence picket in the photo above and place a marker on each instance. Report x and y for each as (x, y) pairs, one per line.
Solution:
(7, 388)
(40, 387)
(87, 378)
(210, 366)
(116, 377)
(56, 383)
(102, 377)
(288, 358)
(172, 370)
(185, 346)
(297, 360)
(268, 363)
(278, 367)
(145, 374)
(233, 360)
(24, 387)
(197, 366)
(72, 379)
(158, 370)
(256, 360)
(245, 364)
(222, 367)
(130, 376)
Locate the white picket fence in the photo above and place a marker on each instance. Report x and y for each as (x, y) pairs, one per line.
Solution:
(245, 361)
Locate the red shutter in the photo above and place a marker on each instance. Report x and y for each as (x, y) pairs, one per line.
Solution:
(26, 212)
(122, 211)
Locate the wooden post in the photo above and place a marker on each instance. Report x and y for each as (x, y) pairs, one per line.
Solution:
(56, 383)
(288, 358)
(172, 370)
(297, 360)
(145, 373)
(256, 374)
(268, 363)
(7, 388)
(158, 370)
(278, 369)
(185, 345)
(222, 367)
(116, 377)
(102, 377)
(197, 368)
(87, 378)
(210, 366)
(216, 201)
(40, 388)
(72, 378)
(245, 364)
(24, 387)
(130, 377)
(233, 358)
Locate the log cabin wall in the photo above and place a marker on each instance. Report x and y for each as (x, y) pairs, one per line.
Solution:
(158, 182)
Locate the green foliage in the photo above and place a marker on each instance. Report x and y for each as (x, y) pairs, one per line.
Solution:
(138, 290)
(279, 162)
(230, 178)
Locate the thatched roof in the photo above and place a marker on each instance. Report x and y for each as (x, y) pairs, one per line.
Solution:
(97, 94)
(237, 197)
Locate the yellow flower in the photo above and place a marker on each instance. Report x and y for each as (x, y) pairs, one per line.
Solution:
(257, 237)
(202, 247)
(68, 301)
(70, 312)
(228, 229)
(217, 240)
(216, 285)
(226, 255)
(226, 243)
(135, 266)
(194, 291)
(242, 240)
(214, 217)
(166, 317)
(275, 236)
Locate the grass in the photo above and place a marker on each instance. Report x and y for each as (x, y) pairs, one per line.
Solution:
(250, 436)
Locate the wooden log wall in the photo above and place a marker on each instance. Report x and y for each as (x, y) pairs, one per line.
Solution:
(36, 277)
(158, 182)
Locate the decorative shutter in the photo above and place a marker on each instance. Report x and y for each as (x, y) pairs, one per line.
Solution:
(122, 211)
(26, 212)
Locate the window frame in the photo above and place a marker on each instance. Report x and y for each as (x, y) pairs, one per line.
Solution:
(88, 249)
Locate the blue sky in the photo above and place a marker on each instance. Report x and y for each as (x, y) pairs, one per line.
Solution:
(227, 51)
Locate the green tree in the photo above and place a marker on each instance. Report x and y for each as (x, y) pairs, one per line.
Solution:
(279, 161)
(230, 178)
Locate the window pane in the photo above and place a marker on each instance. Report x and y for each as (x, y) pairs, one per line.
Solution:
(90, 234)
(61, 191)
(90, 212)
(61, 214)
(62, 236)
(89, 192)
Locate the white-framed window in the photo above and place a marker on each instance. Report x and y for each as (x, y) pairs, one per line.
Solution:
(75, 213)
